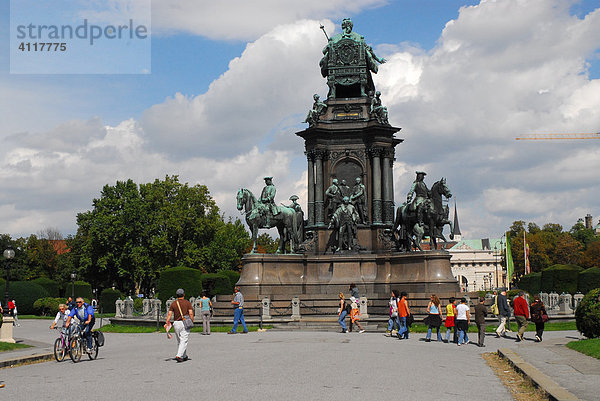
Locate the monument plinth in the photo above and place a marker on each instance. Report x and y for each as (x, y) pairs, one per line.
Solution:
(350, 230)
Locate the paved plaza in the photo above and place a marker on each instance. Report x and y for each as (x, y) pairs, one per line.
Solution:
(274, 365)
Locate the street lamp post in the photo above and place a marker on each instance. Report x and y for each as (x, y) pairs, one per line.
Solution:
(73, 277)
(9, 253)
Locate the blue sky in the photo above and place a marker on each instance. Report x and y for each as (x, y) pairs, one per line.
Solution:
(66, 135)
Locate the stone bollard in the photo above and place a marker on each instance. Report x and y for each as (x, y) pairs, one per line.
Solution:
(155, 304)
(545, 299)
(6, 330)
(553, 300)
(363, 307)
(146, 306)
(577, 299)
(169, 302)
(564, 304)
(197, 304)
(295, 308)
(128, 309)
(266, 308)
(119, 308)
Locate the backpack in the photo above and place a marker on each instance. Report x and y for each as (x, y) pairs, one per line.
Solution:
(347, 307)
(495, 309)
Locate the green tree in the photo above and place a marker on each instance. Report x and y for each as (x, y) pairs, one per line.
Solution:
(591, 256)
(584, 235)
(533, 228)
(266, 243)
(568, 250)
(134, 232)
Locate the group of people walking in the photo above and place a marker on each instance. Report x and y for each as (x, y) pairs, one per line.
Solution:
(536, 312)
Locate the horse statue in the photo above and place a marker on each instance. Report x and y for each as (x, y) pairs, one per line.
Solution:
(435, 216)
(287, 221)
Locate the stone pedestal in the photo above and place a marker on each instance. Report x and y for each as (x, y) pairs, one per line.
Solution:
(422, 272)
(6, 331)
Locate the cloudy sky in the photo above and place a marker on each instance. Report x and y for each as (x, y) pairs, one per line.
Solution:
(230, 82)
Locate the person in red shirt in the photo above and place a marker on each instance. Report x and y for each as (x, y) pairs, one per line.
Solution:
(521, 311)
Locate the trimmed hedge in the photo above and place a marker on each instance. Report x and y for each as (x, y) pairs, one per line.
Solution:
(587, 314)
(108, 297)
(82, 289)
(233, 277)
(179, 277)
(25, 293)
(48, 306)
(216, 284)
(588, 280)
(50, 285)
(532, 283)
(560, 278)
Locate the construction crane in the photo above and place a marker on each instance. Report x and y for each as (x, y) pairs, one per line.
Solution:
(537, 137)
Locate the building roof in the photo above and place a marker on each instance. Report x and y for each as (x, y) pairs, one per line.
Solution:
(484, 244)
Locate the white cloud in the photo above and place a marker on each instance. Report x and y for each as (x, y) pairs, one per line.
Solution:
(500, 70)
(246, 20)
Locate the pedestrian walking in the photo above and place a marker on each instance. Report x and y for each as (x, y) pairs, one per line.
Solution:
(12, 310)
(354, 291)
(71, 303)
(355, 315)
(463, 320)
(538, 316)
(503, 313)
(521, 314)
(238, 312)
(434, 317)
(206, 308)
(403, 314)
(181, 309)
(342, 312)
(480, 315)
(393, 320)
(449, 323)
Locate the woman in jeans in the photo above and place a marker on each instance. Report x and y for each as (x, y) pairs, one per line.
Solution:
(206, 306)
(538, 309)
(342, 312)
(434, 317)
(393, 313)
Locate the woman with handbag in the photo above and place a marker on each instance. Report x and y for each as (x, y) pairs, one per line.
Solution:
(434, 317)
(393, 314)
(538, 316)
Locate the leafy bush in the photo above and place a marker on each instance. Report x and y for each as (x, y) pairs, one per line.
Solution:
(531, 283)
(50, 285)
(179, 277)
(108, 297)
(216, 284)
(233, 277)
(82, 289)
(560, 278)
(587, 314)
(25, 293)
(48, 306)
(588, 280)
(138, 304)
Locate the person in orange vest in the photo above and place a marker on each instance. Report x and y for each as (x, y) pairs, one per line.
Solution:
(355, 315)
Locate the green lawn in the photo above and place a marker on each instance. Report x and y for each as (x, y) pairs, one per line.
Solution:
(10, 346)
(118, 328)
(589, 347)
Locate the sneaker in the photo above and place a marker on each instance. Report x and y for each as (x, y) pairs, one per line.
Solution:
(231, 332)
(343, 331)
(428, 340)
(537, 338)
(179, 359)
(458, 344)
(244, 332)
(388, 334)
(362, 331)
(185, 358)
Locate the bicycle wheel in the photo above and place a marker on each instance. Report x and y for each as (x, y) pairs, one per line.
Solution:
(76, 349)
(94, 354)
(59, 350)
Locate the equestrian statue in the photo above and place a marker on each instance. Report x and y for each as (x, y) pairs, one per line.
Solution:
(263, 213)
(425, 215)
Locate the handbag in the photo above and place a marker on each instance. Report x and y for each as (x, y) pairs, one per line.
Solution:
(187, 320)
(410, 320)
(545, 317)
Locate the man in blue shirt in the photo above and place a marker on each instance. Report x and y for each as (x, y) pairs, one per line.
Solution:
(85, 314)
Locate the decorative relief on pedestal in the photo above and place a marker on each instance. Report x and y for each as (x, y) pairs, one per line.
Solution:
(348, 112)
(375, 151)
(357, 153)
(386, 239)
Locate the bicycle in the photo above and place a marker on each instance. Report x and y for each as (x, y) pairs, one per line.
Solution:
(78, 342)
(61, 345)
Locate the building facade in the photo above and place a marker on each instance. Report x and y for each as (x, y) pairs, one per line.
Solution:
(477, 264)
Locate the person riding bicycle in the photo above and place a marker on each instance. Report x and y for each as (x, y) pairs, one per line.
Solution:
(61, 317)
(85, 314)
